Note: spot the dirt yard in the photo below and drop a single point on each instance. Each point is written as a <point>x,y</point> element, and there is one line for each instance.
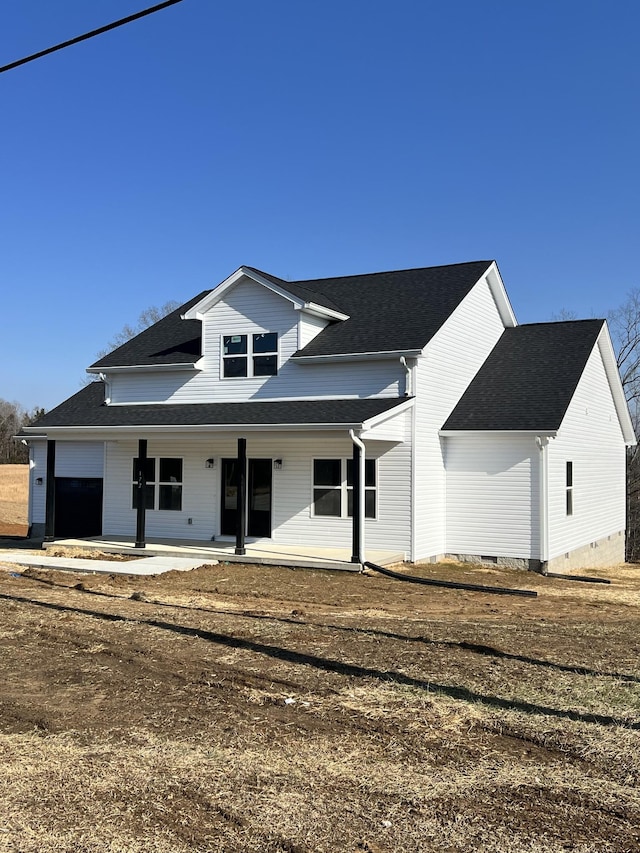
<point>236,708</point>
<point>14,490</point>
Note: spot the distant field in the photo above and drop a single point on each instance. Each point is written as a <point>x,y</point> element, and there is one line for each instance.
<point>14,493</point>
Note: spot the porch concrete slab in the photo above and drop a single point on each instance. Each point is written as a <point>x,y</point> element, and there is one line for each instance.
<point>141,566</point>
<point>264,552</point>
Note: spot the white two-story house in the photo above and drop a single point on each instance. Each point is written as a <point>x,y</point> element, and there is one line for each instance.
<point>404,410</point>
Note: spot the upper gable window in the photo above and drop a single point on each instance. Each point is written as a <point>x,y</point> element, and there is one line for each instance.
<point>249,355</point>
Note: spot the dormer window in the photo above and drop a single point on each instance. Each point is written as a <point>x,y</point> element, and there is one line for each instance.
<point>249,355</point>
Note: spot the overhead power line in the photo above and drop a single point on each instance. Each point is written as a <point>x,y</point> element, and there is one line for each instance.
<point>86,36</point>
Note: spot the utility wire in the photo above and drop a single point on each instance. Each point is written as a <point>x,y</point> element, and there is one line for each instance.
<point>86,36</point>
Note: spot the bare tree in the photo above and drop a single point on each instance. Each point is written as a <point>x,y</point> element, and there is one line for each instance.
<point>624,323</point>
<point>146,318</point>
<point>12,418</point>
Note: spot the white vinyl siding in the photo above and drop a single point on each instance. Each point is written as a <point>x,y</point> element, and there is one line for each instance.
<point>79,458</point>
<point>590,437</point>
<point>310,327</point>
<point>492,496</point>
<point>451,360</point>
<point>292,518</point>
<point>249,308</point>
<point>73,459</point>
<point>37,491</point>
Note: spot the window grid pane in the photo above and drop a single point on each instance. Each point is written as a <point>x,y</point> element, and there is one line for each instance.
<point>149,469</point>
<point>149,497</point>
<point>235,367</point>
<point>265,342</point>
<point>327,472</point>
<point>171,470</point>
<point>234,344</point>
<point>170,498</point>
<point>265,365</point>
<point>327,502</point>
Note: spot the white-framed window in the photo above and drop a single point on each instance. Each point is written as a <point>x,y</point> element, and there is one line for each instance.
<point>569,487</point>
<point>333,488</point>
<point>246,356</point>
<point>165,492</point>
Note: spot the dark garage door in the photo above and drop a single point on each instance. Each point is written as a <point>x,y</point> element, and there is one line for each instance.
<point>78,506</point>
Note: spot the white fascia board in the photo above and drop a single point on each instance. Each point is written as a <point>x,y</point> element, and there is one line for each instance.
<point>499,293</point>
<point>609,360</point>
<point>197,311</point>
<point>321,311</point>
<point>389,414</point>
<point>136,368</point>
<point>458,433</point>
<point>357,356</point>
<point>145,429</point>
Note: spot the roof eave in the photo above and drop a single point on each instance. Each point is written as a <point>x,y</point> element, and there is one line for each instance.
<point>232,427</point>
<point>135,368</point>
<point>357,356</point>
<point>451,433</point>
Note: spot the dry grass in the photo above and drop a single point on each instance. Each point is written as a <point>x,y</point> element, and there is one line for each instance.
<point>14,492</point>
<point>241,709</point>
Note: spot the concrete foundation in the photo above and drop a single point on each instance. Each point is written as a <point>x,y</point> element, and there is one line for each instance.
<point>608,551</point>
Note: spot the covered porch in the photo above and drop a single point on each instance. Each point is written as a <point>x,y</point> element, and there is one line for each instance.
<point>265,552</point>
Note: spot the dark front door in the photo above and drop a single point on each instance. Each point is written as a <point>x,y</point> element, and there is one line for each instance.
<point>258,497</point>
<point>78,506</point>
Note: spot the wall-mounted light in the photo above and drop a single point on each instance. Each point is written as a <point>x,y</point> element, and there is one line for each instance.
<point>210,463</point>
<point>277,464</point>
<point>39,481</point>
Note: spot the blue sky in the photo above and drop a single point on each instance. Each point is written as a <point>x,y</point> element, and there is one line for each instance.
<point>309,140</point>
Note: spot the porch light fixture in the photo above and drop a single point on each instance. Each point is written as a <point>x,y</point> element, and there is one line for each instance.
<point>210,463</point>
<point>277,464</point>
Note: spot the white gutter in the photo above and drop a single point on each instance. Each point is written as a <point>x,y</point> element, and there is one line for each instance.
<point>543,445</point>
<point>361,516</point>
<point>452,433</point>
<point>135,368</point>
<point>375,355</point>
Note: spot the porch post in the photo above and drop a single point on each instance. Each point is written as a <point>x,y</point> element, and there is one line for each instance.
<point>241,495</point>
<point>141,493</point>
<point>50,496</point>
<point>355,519</point>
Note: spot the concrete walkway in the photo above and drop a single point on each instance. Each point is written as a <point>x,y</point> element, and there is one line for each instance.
<point>142,566</point>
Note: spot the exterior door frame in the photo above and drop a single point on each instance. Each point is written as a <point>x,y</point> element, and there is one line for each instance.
<point>258,519</point>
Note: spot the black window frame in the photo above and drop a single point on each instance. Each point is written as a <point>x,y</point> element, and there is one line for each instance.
<point>163,490</point>
<point>254,355</point>
<point>342,485</point>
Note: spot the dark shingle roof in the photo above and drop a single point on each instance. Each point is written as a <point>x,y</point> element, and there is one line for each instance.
<point>529,378</point>
<point>388,311</point>
<point>86,409</point>
<point>391,311</point>
<point>169,341</point>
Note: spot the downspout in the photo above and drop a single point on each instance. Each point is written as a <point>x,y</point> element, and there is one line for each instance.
<point>408,383</point>
<point>543,445</point>
<point>359,443</point>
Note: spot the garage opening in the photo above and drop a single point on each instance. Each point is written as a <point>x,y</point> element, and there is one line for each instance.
<point>78,507</point>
